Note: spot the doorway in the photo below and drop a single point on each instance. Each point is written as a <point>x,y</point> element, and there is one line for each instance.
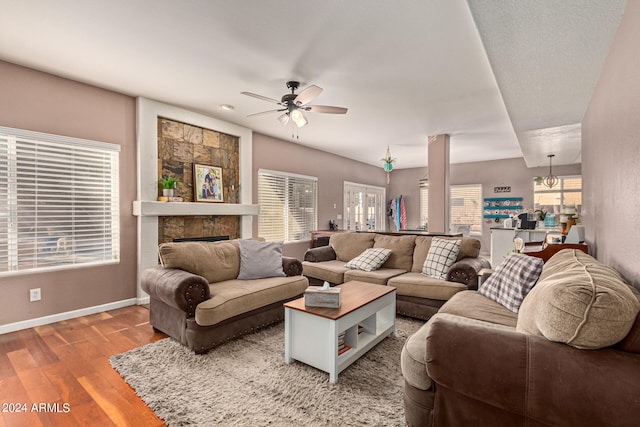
<point>364,207</point>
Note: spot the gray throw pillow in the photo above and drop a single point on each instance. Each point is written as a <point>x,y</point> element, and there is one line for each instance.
<point>512,280</point>
<point>441,256</point>
<point>260,259</point>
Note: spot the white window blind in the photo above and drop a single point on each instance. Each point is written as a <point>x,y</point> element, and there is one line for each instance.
<point>288,210</point>
<point>424,203</point>
<point>59,202</point>
<point>465,206</point>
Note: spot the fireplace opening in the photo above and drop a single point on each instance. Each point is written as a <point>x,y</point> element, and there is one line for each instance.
<point>202,239</point>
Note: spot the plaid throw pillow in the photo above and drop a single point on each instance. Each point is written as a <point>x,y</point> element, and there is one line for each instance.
<point>441,256</point>
<point>369,260</point>
<point>512,280</point>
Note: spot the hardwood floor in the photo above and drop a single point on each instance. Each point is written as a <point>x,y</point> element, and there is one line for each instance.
<point>59,374</point>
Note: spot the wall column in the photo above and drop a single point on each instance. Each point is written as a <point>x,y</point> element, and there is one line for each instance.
<point>438,161</point>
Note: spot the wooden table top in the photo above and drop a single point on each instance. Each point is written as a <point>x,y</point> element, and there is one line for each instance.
<point>355,294</point>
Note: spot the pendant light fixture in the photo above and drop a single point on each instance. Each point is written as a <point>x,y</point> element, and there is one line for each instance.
<point>550,180</point>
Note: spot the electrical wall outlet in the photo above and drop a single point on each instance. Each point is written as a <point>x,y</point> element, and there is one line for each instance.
<point>34,295</point>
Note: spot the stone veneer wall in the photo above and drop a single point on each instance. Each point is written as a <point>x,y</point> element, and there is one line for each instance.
<point>180,145</point>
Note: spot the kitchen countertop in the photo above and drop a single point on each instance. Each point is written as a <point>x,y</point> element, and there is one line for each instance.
<point>538,230</point>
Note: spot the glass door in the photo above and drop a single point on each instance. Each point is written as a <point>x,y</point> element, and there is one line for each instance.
<point>364,207</point>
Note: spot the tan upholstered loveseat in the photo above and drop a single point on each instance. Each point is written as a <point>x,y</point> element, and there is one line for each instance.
<point>417,295</point>
<point>476,363</point>
<point>197,298</point>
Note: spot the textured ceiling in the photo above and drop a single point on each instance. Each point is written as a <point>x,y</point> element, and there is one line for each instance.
<point>486,72</point>
<point>546,56</point>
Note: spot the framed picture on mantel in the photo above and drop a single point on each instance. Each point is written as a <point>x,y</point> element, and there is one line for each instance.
<point>207,183</point>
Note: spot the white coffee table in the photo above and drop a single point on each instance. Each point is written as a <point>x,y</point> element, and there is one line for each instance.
<point>311,333</point>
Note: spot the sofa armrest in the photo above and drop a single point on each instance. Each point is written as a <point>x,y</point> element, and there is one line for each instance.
<point>291,266</point>
<point>527,375</point>
<point>466,271</point>
<point>323,253</point>
<point>484,274</point>
<point>177,288</point>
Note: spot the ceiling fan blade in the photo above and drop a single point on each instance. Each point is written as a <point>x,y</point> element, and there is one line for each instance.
<point>264,98</point>
<point>266,112</point>
<point>307,95</point>
<point>325,109</point>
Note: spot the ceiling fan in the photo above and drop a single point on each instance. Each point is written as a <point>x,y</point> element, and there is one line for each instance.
<point>293,105</point>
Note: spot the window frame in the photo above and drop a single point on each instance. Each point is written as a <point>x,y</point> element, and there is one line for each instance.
<point>74,212</point>
<point>558,188</point>
<point>368,194</point>
<point>286,213</point>
<point>424,203</point>
<point>477,221</point>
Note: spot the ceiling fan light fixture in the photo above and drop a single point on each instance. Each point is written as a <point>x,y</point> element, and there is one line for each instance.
<point>298,118</point>
<point>284,118</point>
<point>294,105</point>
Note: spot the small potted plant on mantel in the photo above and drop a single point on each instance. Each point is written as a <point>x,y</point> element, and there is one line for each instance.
<point>168,187</point>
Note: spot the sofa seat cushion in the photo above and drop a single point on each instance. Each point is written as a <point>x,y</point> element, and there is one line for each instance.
<point>331,271</point>
<point>377,277</point>
<point>421,286</point>
<point>580,302</point>
<point>233,297</point>
<point>472,305</point>
<point>413,359</point>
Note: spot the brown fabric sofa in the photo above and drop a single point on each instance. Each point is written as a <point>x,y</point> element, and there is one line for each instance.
<point>474,364</point>
<point>196,298</point>
<point>417,295</point>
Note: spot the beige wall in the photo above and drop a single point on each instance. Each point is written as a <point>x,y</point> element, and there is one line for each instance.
<point>331,171</point>
<point>611,154</point>
<point>41,102</point>
<point>509,172</point>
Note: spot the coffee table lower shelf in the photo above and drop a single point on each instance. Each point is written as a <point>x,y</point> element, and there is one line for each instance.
<point>313,339</point>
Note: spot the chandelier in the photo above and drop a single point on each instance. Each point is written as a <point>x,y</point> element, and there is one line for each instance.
<point>550,180</point>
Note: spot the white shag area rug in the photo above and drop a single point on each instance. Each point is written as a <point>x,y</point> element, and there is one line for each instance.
<point>246,383</point>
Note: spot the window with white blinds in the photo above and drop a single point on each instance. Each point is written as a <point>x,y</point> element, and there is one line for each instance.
<point>424,203</point>
<point>465,209</point>
<point>288,206</point>
<point>59,202</point>
<point>568,189</point>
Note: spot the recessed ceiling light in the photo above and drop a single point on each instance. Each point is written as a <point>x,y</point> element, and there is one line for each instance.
<point>227,107</point>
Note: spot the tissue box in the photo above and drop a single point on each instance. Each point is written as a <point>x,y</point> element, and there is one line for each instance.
<point>315,296</point>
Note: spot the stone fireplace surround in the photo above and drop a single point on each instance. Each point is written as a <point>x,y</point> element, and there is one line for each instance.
<point>147,209</point>
<point>180,147</point>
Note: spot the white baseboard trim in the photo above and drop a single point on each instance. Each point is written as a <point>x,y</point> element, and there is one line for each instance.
<point>32,323</point>
<point>143,300</point>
